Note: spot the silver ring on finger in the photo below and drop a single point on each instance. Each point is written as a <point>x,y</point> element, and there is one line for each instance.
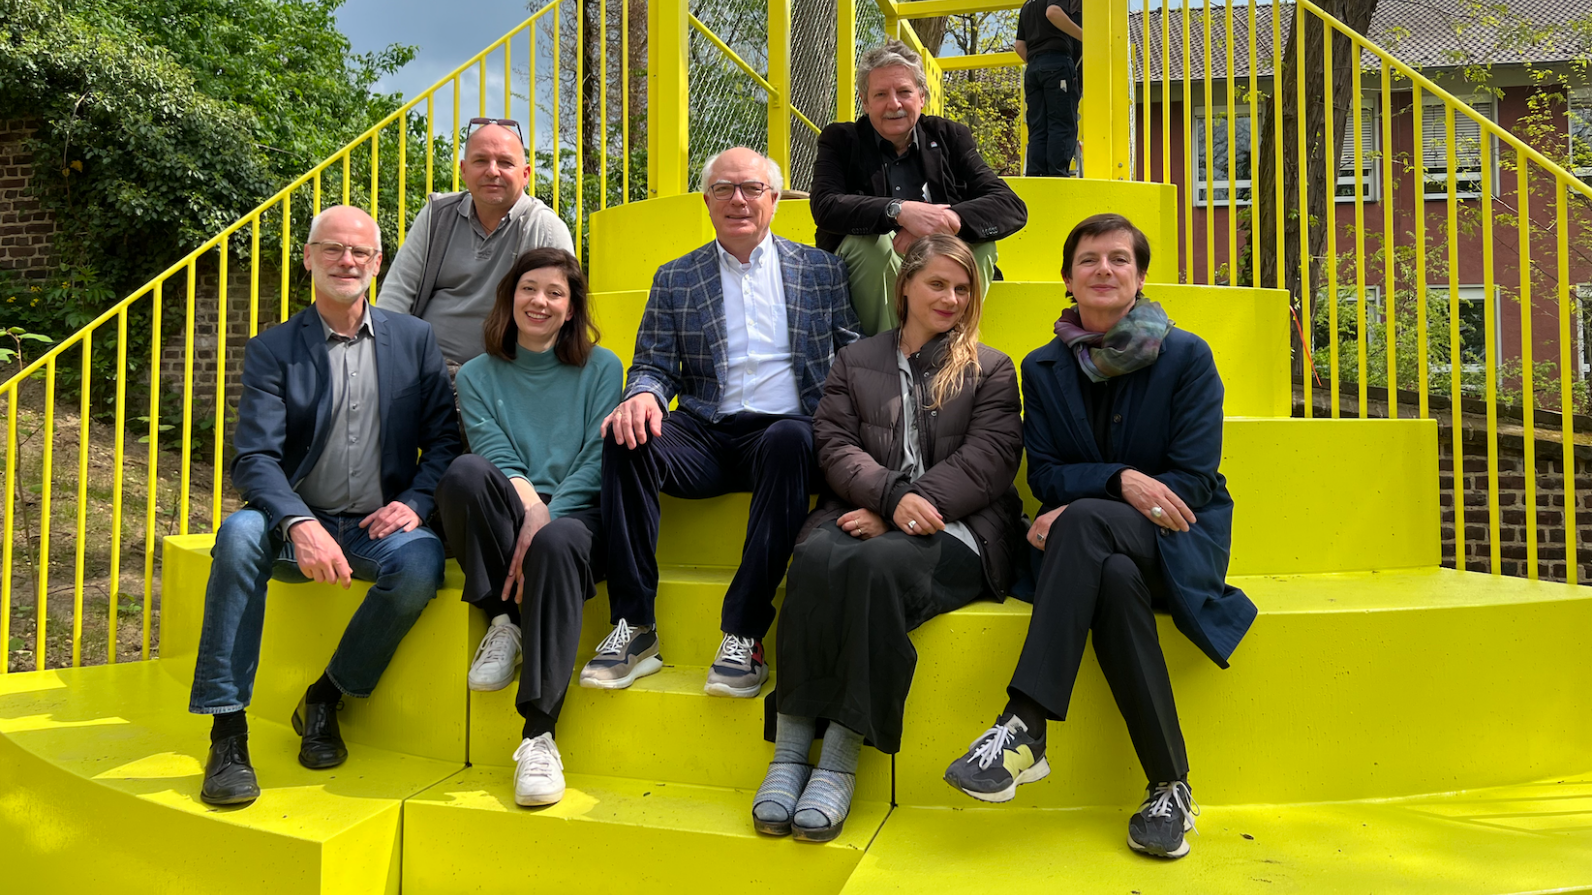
<point>1157,512</point>
<point>1041,539</point>
<point>912,524</point>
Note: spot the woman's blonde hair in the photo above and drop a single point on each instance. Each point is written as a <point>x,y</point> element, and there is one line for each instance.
<point>962,340</point>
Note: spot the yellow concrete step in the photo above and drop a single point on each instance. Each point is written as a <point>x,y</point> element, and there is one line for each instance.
<point>677,224</point>
<point>1348,686</point>
<point>1247,330</point>
<point>1530,838</point>
<point>467,835</point>
<point>420,706</point>
<point>1375,510</point>
<point>664,727</point>
<point>100,771</point>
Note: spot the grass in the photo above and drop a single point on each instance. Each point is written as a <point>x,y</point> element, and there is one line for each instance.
<point>91,626</point>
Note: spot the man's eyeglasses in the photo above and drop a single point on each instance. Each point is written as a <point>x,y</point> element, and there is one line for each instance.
<point>333,251</point>
<point>476,123</point>
<point>723,190</point>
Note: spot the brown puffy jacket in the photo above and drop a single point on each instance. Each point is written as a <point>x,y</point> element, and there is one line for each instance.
<point>972,446</point>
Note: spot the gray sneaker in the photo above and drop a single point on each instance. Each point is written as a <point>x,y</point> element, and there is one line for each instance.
<point>738,669</point>
<point>626,654</point>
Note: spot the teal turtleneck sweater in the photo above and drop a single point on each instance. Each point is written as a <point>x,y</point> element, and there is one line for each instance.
<point>538,419</point>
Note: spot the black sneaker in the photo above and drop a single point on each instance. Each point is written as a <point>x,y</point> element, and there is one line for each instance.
<point>1166,813</point>
<point>1001,759</point>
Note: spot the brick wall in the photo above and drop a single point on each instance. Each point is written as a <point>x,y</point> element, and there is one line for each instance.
<point>1511,452</point>
<point>26,230</point>
<point>1512,519</point>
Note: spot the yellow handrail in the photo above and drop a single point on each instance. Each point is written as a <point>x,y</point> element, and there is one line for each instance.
<point>740,63</point>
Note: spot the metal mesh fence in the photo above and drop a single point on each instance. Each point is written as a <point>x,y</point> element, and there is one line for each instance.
<point>728,108</point>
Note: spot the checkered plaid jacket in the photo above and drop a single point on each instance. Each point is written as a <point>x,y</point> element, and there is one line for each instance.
<point>680,348</point>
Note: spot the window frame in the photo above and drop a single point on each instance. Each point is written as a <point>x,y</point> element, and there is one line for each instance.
<point>1436,189</point>
<point>1578,108</point>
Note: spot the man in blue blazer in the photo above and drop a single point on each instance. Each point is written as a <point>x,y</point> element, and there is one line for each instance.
<point>742,331</point>
<point>344,428</point>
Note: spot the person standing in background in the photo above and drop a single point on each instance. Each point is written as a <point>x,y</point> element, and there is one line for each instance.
<point>1050,42</point>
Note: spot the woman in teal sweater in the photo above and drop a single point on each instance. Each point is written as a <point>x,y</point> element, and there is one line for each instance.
<point>521,512</point>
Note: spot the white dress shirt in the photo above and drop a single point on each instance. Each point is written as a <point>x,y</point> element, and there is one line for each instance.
<point>759,377</point>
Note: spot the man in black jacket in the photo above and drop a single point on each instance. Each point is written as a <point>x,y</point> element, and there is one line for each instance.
<point>895,175</point>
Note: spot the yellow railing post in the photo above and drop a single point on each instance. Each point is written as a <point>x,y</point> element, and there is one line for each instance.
<point>845,60</point>
<point>779,77</point>
<point>1107,105</point>
<point>668,96</point>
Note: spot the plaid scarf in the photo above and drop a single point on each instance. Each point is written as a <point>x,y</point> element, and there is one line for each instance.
<point>1132,343</point>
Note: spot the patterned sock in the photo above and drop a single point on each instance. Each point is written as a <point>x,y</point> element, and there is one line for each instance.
<point>787,773</point>
<point>826,801</point>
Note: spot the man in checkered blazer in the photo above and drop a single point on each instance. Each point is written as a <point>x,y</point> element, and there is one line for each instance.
<point>742,331</point>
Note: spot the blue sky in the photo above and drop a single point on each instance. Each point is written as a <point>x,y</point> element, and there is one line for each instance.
<point>445,34</point>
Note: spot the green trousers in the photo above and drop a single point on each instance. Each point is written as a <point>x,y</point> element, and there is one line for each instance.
<point>873,264</point>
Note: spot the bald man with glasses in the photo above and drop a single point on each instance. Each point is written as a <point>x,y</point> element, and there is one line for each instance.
<point>461,244</point>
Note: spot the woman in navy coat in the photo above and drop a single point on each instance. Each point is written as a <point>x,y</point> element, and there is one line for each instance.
<point>1123,427</point>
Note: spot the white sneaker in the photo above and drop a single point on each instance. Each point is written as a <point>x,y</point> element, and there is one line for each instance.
<point>496,657</point>
<point>539,774</point>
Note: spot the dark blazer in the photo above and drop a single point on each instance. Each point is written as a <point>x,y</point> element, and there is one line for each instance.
<point>1167,424</point>
<point>849,193</point>
<point>285,414</point>
<point>971,447</point>
<point>680,346</point>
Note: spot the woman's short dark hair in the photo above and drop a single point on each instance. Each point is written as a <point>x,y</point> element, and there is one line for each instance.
<point>1100,225</point>
<point>578,334</point>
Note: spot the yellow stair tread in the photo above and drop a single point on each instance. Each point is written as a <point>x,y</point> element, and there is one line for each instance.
<point>1393,589</point>
<point>127,727</point>
<point>641,803</point>
<point>1510,839</point>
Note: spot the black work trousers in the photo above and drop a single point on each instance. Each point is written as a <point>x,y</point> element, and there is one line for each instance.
<point>1102,573</point>
<point>481,518</point>
<point>768,455</point>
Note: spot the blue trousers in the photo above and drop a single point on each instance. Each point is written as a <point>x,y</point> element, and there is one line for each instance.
<point>405,566</point>
<point>1051,88</point>
<point>768,455</point>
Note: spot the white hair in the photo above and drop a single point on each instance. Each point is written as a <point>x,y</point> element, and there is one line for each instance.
<point>315,222</point>
<point>889,54</point>
<point>776,179</point>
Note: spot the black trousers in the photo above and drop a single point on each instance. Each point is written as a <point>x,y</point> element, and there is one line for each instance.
<point>844,653</point>
<point>768,455</point>
<point>1102,573</point>
<point>1052,88</point>
<point>481,517</point>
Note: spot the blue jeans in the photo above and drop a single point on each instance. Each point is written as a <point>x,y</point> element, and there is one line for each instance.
<point>1051,88</point>
<point>405,566</point>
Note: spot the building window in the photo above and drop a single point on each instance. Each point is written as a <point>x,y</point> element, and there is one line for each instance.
<point>1583,316</point>
<point>1472,324</point>
<point>1370,154</point>
<point>1220,189</point>
<point>1467,148</point>
<point>1216,120</point>
<point>1580,128</point>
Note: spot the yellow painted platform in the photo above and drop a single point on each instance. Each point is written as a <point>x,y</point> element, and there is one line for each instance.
<point>1348,686</point>
<point>676,732</point>
<point>467,835</point>
<point>677,224</point>
<point>1530,838</point>
<point>418,708</point>
<point>99,783</point>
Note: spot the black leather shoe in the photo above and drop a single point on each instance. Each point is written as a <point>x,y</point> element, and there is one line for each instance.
<point>323,744</point>
<point>229,778</point>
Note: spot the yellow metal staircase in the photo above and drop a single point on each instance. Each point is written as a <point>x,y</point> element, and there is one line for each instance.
<point>1388,725</point>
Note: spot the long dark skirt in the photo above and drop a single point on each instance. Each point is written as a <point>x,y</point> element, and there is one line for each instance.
<point>843,651</point>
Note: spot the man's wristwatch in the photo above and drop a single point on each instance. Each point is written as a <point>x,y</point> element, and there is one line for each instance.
<point>893,210</point>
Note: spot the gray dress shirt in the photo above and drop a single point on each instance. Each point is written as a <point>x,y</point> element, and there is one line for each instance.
<point>346,479</point>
